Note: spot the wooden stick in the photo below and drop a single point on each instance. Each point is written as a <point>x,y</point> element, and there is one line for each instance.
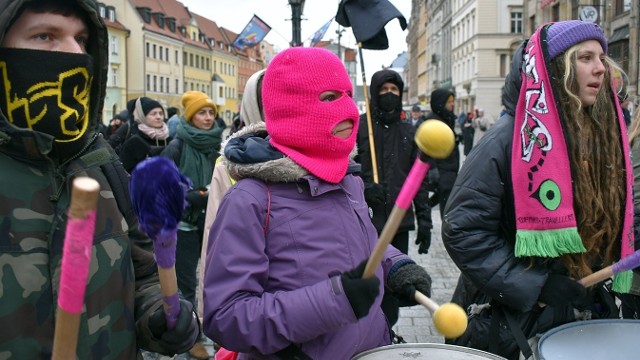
<point>423,300</point>
<point>405,197</point>
<point>372,145</point>
<point>628,263</point>
<point>75,266</point>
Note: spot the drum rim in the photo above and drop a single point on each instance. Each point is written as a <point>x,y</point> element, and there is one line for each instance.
<point>467,350</point>
<point>579,323</point>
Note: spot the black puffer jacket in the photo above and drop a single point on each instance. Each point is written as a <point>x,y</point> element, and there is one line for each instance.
<point>396,152</point>
<point>479,230</point>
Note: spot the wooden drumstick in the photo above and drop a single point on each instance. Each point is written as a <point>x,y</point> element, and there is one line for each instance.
<point>435,139</point>
<point>628,263</point>
<point>76,258</point>
<point>158,199</point>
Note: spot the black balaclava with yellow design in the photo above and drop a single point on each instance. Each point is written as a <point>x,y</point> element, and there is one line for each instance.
<point>55,97</point>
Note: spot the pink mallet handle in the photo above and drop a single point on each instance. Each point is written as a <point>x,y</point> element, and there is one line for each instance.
<point>76,258</point>
<point>407,193</point>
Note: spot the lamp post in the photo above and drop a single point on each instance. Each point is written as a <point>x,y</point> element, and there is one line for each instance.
<point>339,32</point>
<point>296,17</point>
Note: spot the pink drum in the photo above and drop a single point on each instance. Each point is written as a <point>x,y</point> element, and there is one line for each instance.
<point>425,351</point>
<point>592,339</point>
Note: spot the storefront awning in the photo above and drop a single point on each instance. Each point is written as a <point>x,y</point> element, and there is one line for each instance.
<point>620,34</point>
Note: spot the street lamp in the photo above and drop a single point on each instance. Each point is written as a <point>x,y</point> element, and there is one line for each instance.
<point>296,17</point>
<point>339,33</point>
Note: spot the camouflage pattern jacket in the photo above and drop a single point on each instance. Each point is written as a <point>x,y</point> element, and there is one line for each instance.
<point>122,290</point>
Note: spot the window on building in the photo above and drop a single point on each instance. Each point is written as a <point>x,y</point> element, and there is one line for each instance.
<point>114,76</point>
<point>177,57</point>
<point>155,83</point>
<point>555,12</point>
<point>622,6</point>
<point>114,45</point>
<point>148,82</point>
<point>111,13</point>
<point>197,61</point>
<point>516,22</point>
<point>184,58</point>
<point>167,82</point>
<point>161,48</point>
<point>155,56</point>
<point>177,86</point>
<point>208,64</point>
<point>161,83</point>
<point>220,92</point>
<point>191,60</point>
<point>166,54</point>
<point>148,52</point>
<point>103,11</point>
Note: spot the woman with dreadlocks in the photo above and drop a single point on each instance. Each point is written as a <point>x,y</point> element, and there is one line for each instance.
<point>546,198</point>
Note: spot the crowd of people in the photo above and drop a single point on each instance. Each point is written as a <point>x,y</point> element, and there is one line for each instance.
<point>283,215</point>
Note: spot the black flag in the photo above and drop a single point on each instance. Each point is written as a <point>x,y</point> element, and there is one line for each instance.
<point>368,18</point>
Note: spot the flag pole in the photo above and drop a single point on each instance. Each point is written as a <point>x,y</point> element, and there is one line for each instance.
<point>372,145</point>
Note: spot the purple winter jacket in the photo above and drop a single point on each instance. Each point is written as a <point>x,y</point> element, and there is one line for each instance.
<point>265,290</point>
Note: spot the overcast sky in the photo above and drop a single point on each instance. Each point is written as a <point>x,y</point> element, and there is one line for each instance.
<point>235,14</point>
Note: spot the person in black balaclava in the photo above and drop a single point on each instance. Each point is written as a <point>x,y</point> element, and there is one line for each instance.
<point>395,151</point>
<point>442,109</point>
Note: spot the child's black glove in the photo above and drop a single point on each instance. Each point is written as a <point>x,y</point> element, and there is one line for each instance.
<point>360,292</point>
<point>407,279</point>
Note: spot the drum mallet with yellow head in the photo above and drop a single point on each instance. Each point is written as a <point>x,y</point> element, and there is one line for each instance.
<point>436,140</point>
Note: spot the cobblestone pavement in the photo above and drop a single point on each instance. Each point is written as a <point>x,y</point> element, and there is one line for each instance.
<point>415,324</point>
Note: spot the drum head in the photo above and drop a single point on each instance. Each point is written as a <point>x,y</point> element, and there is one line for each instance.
<point>593,339</point>
<point>425,351</point>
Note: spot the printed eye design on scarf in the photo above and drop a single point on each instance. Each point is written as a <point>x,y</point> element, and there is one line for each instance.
<point>53,100</point>
<point>548,194</point>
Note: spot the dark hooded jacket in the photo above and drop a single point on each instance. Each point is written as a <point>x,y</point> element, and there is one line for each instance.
<point>439,99</point>
<point>479,232</point>
<point>122,289</point>
<point>395,151</point>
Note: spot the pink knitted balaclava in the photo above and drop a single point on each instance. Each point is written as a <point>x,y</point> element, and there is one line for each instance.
<point>298,122</point>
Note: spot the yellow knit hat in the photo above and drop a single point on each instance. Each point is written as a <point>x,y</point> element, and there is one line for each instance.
<point>193,101</point>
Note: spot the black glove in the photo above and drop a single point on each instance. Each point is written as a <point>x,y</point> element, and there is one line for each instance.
<point>374,194</point>
<point>560,290</point>
<point>407,279</point>
<point>423,239</point>
<point>197,198</point>
<point>183,336</point>
<point>360,292</point>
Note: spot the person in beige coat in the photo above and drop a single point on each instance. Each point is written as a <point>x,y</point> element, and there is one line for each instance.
<point>482,123</point>
<point>250,113</point>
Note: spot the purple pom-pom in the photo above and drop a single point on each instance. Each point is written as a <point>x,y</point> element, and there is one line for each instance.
<point>158,195</point>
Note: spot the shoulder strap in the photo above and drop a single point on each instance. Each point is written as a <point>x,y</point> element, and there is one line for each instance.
<point>266,220</point>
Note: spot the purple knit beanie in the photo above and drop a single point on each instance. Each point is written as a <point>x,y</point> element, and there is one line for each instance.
<point>564,34</point>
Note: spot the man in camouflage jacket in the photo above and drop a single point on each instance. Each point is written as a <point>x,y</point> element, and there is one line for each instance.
<point>50,103</point>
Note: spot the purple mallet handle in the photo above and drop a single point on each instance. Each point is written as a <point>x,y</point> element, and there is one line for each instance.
<point>630,262</point>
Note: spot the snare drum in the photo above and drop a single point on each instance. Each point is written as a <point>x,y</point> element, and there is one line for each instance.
<point>425,351</point>
<point>592,339</point>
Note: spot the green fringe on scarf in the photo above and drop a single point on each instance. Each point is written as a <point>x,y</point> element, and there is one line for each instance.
<point>548,243</point>
<point>622,282</point>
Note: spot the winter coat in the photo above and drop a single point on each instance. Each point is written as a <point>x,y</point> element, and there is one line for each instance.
<point>479,234</point>
<point>396,151</point>
<point>122,289</point>
<point>277,247</point>
<point>138,146</point>
<point>439,112</point>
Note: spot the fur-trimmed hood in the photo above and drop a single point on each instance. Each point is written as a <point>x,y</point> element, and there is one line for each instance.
<point>248,153</point>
